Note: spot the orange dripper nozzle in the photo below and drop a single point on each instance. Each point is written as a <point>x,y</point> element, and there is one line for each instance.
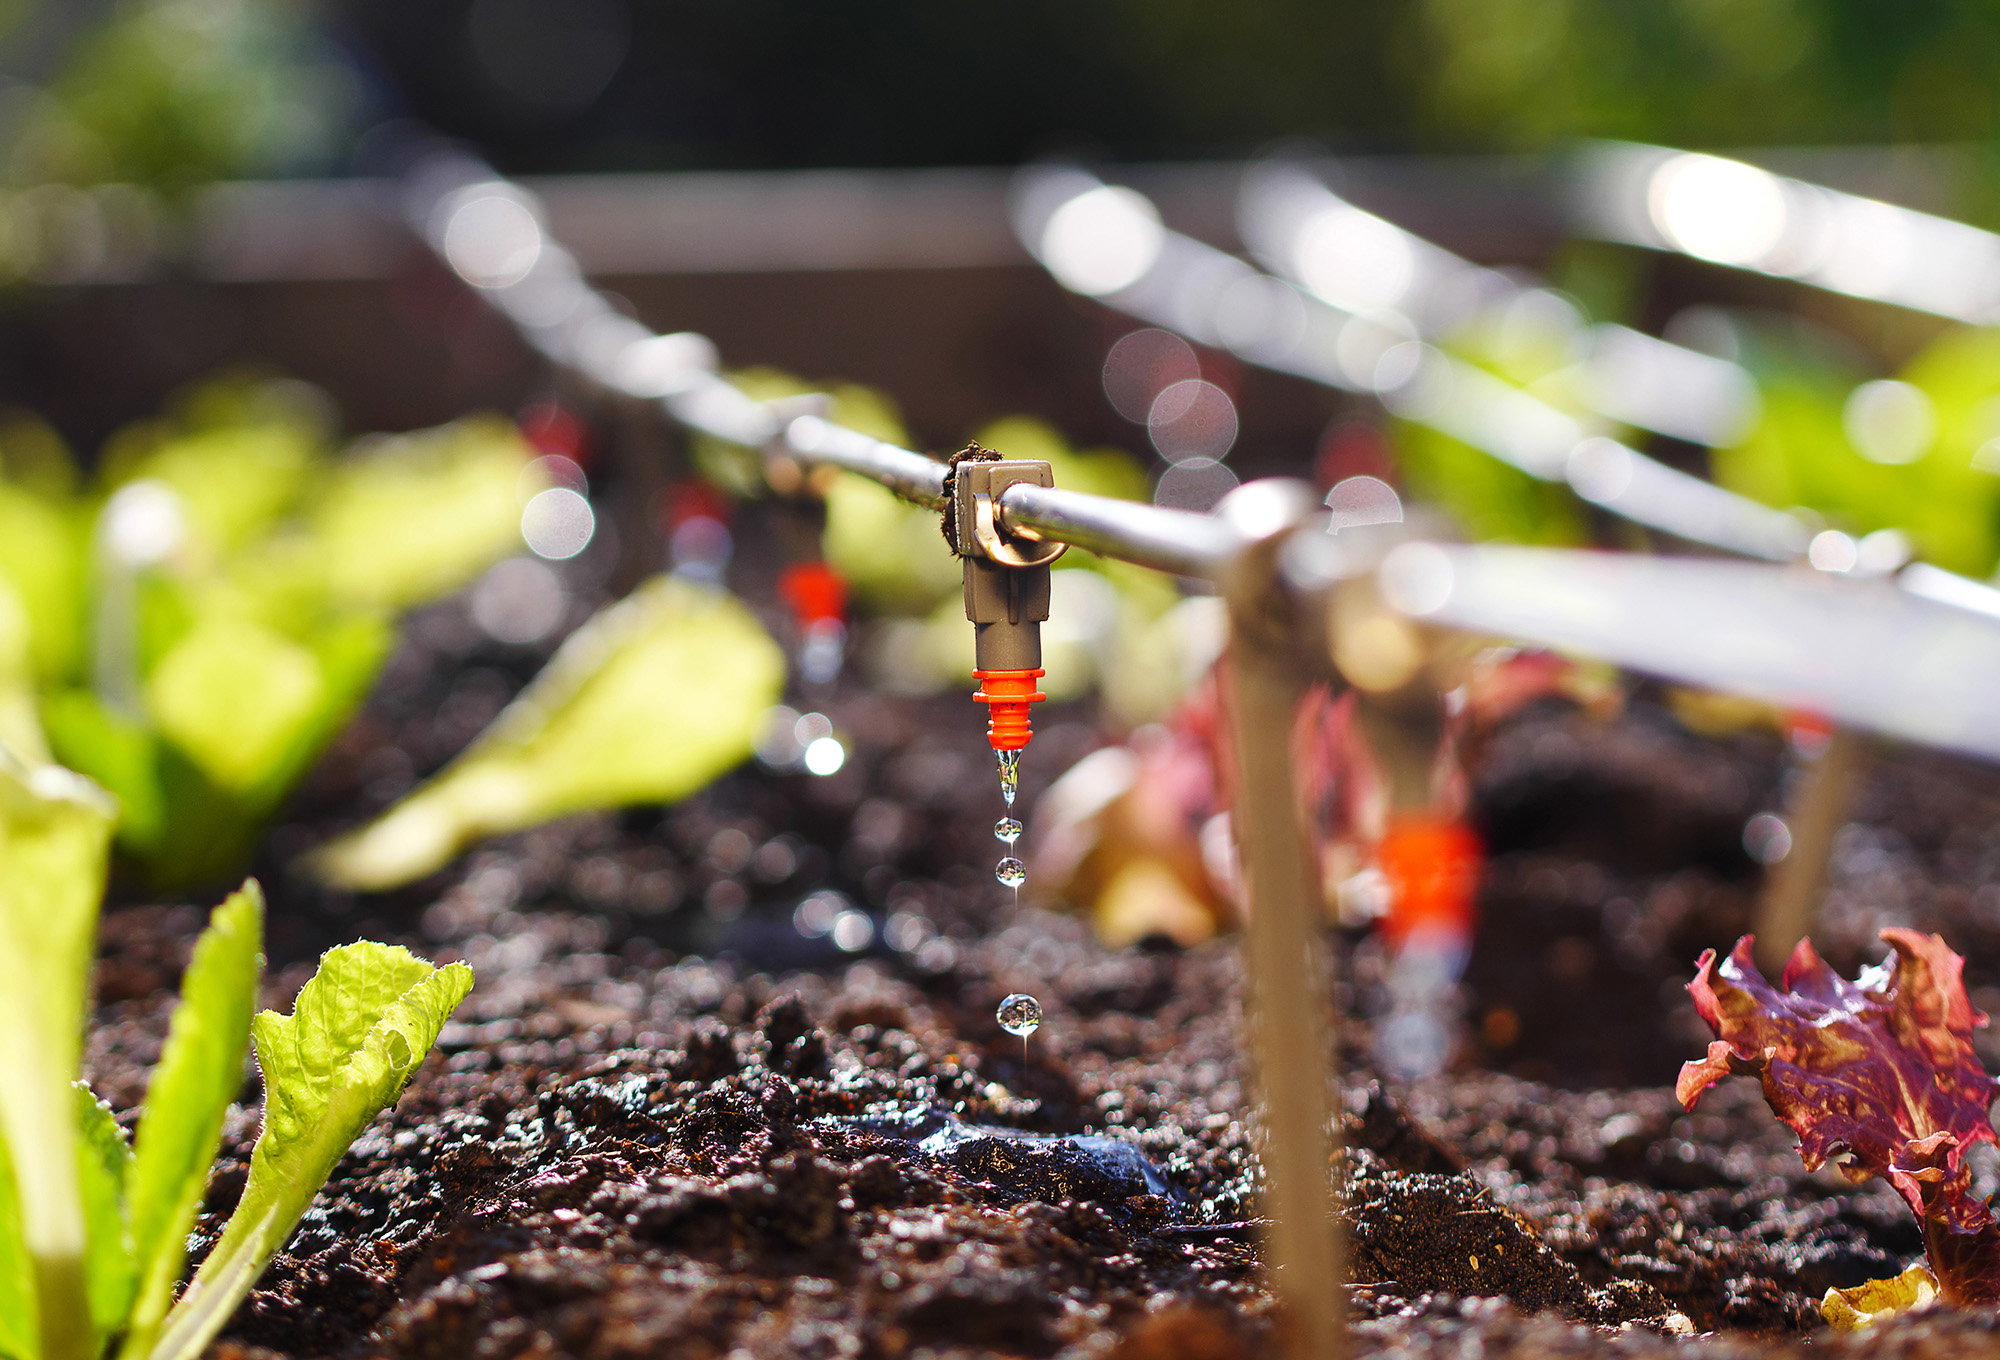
<point>1007,695</point>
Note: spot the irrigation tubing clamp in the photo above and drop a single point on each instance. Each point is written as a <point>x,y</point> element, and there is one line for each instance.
<point>1006,586</point>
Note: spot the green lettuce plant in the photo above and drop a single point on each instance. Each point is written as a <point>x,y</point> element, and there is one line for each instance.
<point>93,1227</point>
<point>198,672</point>
<point>1945,496</point>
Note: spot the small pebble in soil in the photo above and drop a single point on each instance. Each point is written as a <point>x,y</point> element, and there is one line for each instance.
<point>1020,1014</point>
<point>1011,872</point>
<point>1007,829</point>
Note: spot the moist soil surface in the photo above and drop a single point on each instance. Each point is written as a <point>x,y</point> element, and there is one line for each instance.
<point>670,1122</point>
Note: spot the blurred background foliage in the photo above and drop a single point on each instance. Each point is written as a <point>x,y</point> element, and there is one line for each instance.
<point>904,82</point>
<point>169,92</point>
<point>191,624</point>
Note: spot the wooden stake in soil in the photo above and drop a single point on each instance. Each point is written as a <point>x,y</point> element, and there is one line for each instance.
<point>1790,903</point>
<point>1302,1252</point>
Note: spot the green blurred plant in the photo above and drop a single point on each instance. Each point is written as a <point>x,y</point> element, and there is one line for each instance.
<point>201,620</point>
<point>1711,72</point>
<point>647,702</point>
<point>1918,453</point>
<point>1814,444</point>
<point>173,94</point>
<point>1494,501</point>
<point>1491,500</point>
<point>93,1227</point>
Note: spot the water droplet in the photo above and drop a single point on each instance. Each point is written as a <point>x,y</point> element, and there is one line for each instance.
<point>1020,1014</point>
<point>1010,775</point>
<point>1011,872</point>
<point>1007,829</point>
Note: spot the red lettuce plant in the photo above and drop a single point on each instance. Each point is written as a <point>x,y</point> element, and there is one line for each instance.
<point>1877,1073</point>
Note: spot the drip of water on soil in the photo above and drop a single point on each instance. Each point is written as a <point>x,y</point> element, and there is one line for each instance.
<point>1010,775</point>
<point>1011,872</point>
<point>1007,829</point>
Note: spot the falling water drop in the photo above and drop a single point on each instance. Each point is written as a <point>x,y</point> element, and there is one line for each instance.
<point>1011,872</point>
<point>1010,775</point>
<point>1020,1014</point>
<point>1007,829</point>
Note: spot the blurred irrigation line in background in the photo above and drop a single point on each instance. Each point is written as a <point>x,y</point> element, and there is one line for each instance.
<point>1363,305</point>
<point>1732,213</point>
<point>1856,650</point>
<point>1360,310</point>
<point>1106,241</point>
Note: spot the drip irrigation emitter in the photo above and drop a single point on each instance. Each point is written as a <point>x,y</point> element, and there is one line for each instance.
<point>1833,647</point>
<point>1397,670</point>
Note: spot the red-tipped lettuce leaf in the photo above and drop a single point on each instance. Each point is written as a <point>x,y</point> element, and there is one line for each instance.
<point>1877,1073</point>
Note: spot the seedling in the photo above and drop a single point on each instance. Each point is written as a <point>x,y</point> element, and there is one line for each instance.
<point>93,1230</point>
<point>1877,1075</point>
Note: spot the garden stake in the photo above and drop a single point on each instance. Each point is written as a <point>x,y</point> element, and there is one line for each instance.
<point>1302,1252</point>
<point>1790,901</point>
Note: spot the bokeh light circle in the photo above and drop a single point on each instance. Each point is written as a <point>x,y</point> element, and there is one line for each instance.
<point>557,523</point>
<point>1192,419</point>
<point>1102,241</point>
<point>491,239</point>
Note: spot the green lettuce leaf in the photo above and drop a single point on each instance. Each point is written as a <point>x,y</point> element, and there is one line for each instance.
<point>417,516</point>
<point>646,703</point>
<point>104,1161</point>
<point>19,729</point>
<point>55,828</point>
<point>234,696</point>
<point>200,1072</point>
<point>234,481</point>
<point>42,558</point>
<point>354,1038</point>
<point>242,712</point>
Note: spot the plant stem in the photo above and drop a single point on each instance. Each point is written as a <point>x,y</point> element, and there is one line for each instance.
<point>64,1302</point>
<point>224,1278</point>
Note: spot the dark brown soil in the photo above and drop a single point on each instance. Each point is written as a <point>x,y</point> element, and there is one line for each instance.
<point>668,1123</point>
